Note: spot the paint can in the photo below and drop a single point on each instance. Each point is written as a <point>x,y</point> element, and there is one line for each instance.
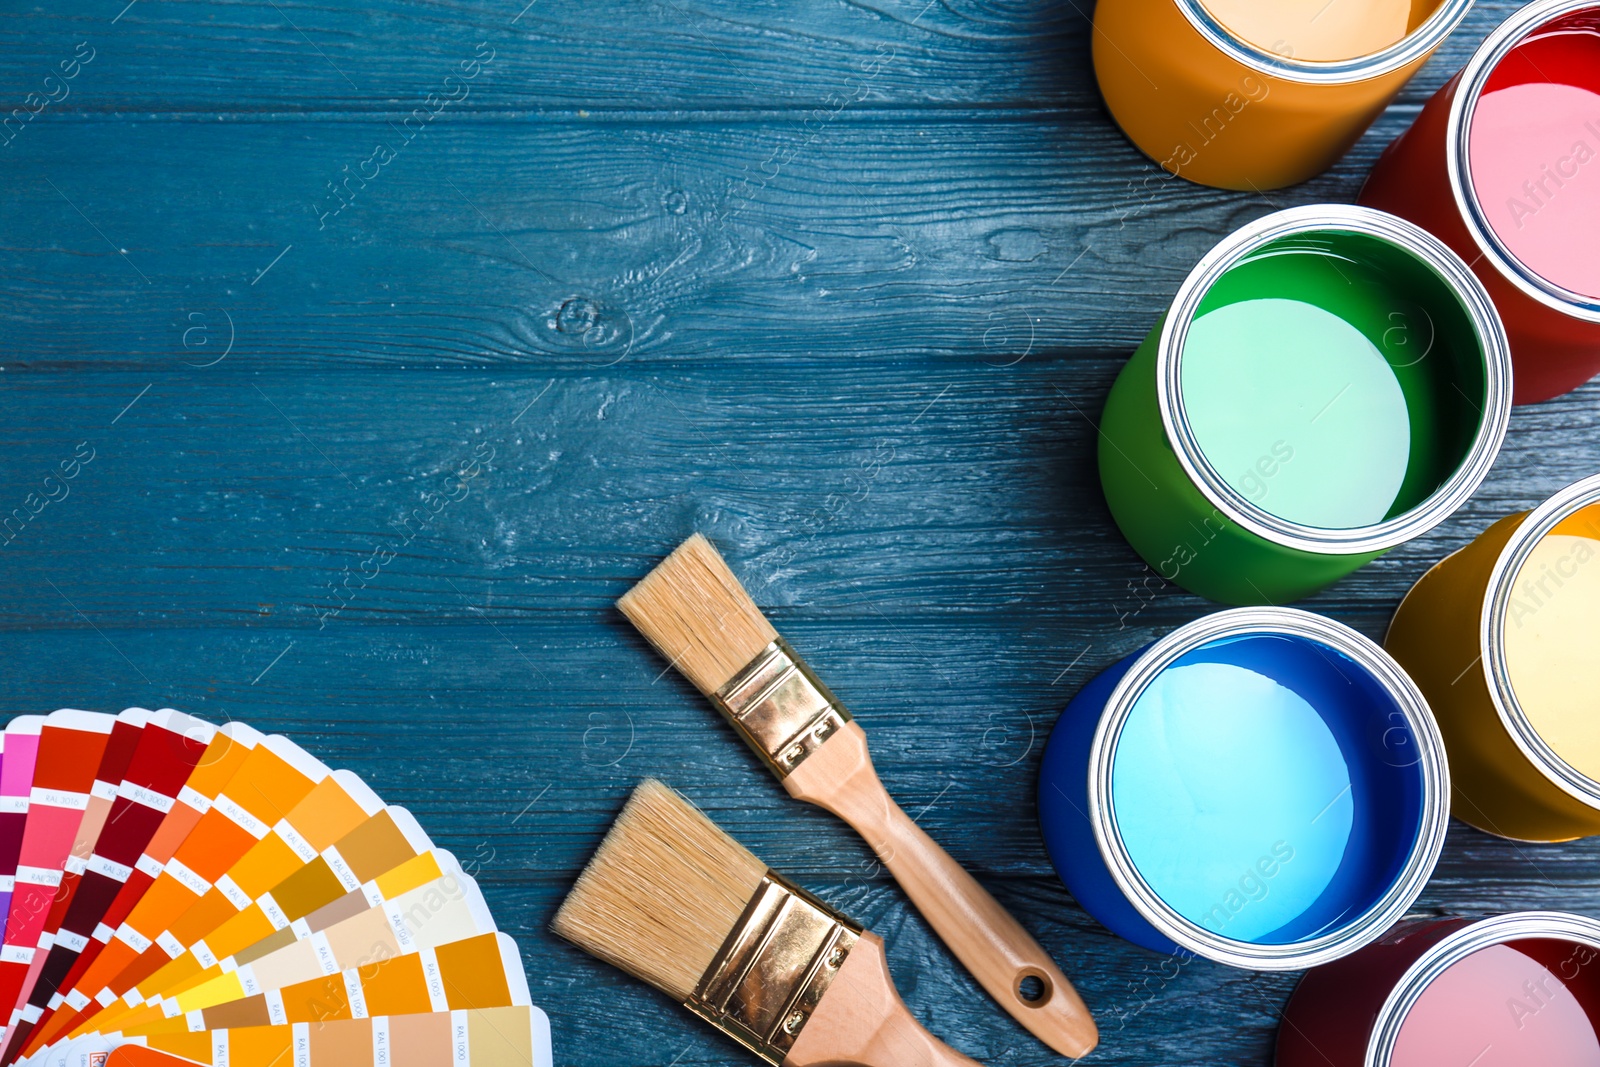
<point>1262,787</point>
<point>1330,382</point>
<point>1245,95</point>
<point>1503,164</point>
<point>1506,991</point>
<point>1502,637</point>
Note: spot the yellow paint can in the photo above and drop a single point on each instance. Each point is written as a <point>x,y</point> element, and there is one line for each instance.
<point>1503,637</point>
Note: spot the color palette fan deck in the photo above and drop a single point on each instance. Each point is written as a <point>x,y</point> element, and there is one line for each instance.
<point>187,893</point>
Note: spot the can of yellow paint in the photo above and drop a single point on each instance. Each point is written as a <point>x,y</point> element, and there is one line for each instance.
<point>1244,95</point>
<point>1502,638</point>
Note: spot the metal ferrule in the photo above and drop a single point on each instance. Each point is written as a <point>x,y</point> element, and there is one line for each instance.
<point>774,968</point>
<point>780,708</point>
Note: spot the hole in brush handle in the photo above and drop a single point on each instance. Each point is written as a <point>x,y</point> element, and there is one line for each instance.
<point>1034,988</point>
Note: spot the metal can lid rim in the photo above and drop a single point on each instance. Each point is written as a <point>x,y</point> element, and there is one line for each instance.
<point>1411,48</point>
<point>1483,63</point>
<point>1431,253</point>
<point>1457,945</point>
<point>1433,817</point>
<point>1496,607</point>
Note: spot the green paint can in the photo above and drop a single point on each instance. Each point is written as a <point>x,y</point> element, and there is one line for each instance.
<point>1330,382</point>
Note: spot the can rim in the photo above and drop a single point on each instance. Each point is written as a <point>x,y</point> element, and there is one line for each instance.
<point>1455,946</point>
<point>1433,816</point>
<point>1485,60</point>
<point>1414,46</point>
<point>1491,638</point>
<point>1431,253</point>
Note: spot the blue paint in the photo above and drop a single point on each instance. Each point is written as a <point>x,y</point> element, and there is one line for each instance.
<point>1231,797</point>
<point>1264,786</point>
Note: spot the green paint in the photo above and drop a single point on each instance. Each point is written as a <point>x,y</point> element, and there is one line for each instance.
<point>1321,439</point>
<point>1180,534</point>
<point>1318,309</point>
<point>1311,377</point>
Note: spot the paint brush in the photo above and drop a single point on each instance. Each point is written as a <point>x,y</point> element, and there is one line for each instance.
<point>693,609</point>
<point>672,900</point>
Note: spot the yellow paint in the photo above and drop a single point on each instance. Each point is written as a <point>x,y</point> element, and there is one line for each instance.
<point>1551,638</point>
<point>1436,635</point>
<point>1319,30</point>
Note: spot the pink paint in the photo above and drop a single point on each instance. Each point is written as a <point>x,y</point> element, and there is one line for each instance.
<point>1534,153</point>
<point>1500,1007</point>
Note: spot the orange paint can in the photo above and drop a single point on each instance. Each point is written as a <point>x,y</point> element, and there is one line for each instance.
<point>1501,637</point>
<point>1240,94</point>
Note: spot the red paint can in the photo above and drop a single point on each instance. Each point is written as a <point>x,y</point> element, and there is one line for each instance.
<point>1508,991</point>
<point>1503,165</point>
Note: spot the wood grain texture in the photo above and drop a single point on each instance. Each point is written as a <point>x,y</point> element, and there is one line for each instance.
<point>563,56</point>
<point>864,354</point>
<point>658,245</point>
<point>896,491</point>
<point>663,227</point>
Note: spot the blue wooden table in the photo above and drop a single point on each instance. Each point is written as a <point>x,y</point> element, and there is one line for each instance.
<point>404,339</point>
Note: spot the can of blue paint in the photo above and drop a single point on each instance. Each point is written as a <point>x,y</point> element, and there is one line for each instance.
<point>1262,787</point>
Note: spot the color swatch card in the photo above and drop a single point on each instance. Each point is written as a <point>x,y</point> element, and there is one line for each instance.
<point>488,1037</point>
<point>165,754</point>
<point>175,892</point>
<point>20,753</point>
<point>216,766</point>
<point>413,912</point>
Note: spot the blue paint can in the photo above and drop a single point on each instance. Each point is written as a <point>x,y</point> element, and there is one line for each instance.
<point>1263,787</point>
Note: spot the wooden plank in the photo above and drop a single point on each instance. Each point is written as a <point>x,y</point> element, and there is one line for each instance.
<point>952,237</point>
<point>898,489</point>
<point>562,59</point>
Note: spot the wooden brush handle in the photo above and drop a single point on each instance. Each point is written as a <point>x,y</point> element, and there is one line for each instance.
<point>862,1020</point>
<point>840,777</point>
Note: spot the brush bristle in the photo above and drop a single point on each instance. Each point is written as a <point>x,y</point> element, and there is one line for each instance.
<point>696,613</point>
<point>662,892</point>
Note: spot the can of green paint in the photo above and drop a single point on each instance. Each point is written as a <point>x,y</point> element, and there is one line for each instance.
<point>1330,381</point>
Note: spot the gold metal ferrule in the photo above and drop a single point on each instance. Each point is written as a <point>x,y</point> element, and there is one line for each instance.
<point>780,708</point>
<point>772,971</point>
